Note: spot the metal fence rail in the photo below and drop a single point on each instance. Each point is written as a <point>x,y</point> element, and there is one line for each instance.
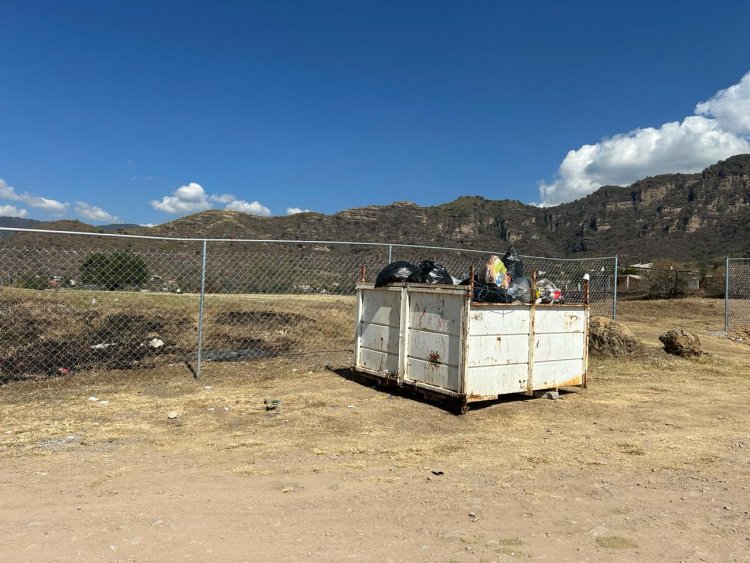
<point>92,301</point>
<point>737,294</point>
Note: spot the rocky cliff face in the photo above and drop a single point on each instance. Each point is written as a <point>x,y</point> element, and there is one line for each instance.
<point>680,216</point>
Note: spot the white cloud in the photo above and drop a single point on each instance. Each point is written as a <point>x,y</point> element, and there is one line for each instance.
<point>189,198</point>
<point>295,210</point>
<point>192,198</point>
<point>51,206</point>
<point>147,225</point>
<point>253,208</point>
<point>12,211</point>
<point>94,213</point>
<point>222,198</point>
<point>730,107</point>
<point>720,128</point>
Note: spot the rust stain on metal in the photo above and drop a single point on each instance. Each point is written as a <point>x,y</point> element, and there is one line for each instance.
<point>434,358</point>
<point>572,382</point>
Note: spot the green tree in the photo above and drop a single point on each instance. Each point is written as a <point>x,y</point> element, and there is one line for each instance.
<point>114,271</point>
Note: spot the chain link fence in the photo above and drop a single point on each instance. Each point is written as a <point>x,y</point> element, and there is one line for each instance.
<point>136,305</point>
<point>737,296</point>
<point>657,283</point>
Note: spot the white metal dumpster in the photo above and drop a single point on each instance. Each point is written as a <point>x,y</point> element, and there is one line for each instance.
<point>435,339</point>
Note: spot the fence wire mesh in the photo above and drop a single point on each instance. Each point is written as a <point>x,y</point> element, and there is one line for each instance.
<point>657,283</point>
<point>140,306</point>
<point>71,310</point>
<point>737,296</point>
<point>269,300</point>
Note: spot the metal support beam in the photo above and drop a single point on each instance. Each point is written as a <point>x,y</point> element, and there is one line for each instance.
<point>200,311</point>
<point>614,294</point>
<point>726,295</point>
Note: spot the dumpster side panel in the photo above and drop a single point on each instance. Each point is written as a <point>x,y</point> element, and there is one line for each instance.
<point>490,381</point>
<point>559,346</point>
<point>434,339</point>
<point>378,331</point>
<point>559,318</point>
<point>498,320</point>
<point>498,351</point>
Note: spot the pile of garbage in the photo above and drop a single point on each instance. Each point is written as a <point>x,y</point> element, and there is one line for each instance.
<point>499,280</point>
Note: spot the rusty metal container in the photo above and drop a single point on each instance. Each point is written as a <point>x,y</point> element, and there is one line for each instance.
<point>435,339</point>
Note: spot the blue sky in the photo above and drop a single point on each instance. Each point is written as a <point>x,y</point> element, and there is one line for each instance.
<point>150,110</point>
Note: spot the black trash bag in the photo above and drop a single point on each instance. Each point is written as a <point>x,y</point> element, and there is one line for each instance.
<point>520,289</point>
<point>490,293</point>
<point>513,263</point>
<point>398,272</point>
<point>432,272</point>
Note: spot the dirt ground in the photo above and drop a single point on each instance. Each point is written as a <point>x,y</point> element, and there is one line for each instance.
<point>650,463</point>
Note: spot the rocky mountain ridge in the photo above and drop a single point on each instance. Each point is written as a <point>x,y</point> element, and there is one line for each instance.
<point>685,217</point>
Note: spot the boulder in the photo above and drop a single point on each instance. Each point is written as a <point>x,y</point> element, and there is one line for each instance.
<point>681,343</point>
<point>608,338</point>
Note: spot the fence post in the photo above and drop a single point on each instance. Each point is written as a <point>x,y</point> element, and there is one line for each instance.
<point>390,253</point>
<point>726,294</point>
<point>200,311</point>
<point>614,294</point>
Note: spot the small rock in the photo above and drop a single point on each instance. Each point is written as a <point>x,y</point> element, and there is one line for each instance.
<point>171,415</point>
<point>681,343</point>
<point>156,343</point>
<point>552,395</point>
<point>92,398</point>
<point>472,515</point>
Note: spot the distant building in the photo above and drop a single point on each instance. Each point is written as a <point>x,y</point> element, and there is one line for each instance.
<point>629,282</point>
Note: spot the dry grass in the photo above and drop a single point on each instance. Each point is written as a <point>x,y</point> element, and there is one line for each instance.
<point>42,331</point>
<point>659,412</point>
